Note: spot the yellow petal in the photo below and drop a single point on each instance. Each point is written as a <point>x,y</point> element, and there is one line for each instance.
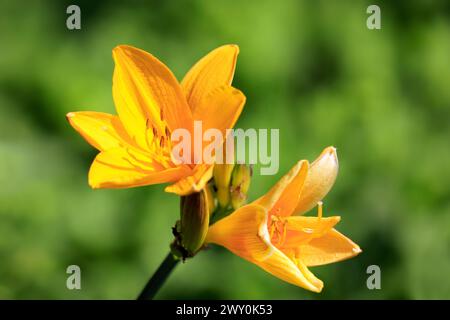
<point>147,94</point>
<point>212,71</point>
<point>118,168</point>
<point>220,109</point>
<point>290,196</point>
<point>294,179</point>
<point>241,231</point>
<point>103,131</point>
<point>296,273</point>
<point>193,182</point>
<point>321,176</point>
<point>245,233</point>
<point>331,247</point>
<point>301,230</point>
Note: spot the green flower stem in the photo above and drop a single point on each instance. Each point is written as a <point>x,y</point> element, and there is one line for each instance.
<point>159,277</point>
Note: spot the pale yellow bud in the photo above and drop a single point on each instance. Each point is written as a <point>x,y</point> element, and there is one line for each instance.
<point>240,183</point>
<point>222,177</point>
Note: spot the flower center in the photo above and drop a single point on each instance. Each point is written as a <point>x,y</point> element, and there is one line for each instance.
<point>278,226</point>
<point>158,141</point>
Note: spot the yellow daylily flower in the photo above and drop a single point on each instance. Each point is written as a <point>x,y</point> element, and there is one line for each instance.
<point>135,145</point>
<point>269,234</point>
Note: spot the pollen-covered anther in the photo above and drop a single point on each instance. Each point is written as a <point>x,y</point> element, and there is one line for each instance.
<point>167,132</point>
<point>278,228</point>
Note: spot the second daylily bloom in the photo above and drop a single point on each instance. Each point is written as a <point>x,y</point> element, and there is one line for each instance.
<point>135,146</point>
<point>271,233</point>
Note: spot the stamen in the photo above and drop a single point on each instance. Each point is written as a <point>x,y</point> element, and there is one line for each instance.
<point>272,229</point>
<point>273,226</point>
<point>283,238</point>
<point>167,132</point>
<point>280,232</point>
<point>147,141</point>
<point>319,209</point>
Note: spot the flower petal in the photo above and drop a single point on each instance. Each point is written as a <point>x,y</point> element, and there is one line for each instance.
<point>220,109</point>
<point>292,180</point>
<point>118,168</point>
<point>290,196</point>
<point>212,71</point>
<point>245,233</point>
<point>102,130</point>
<point>193,182</point>
<point>300,230</point>
<point>321,176</point>
<point>146,93</point>
<point>294,272</point>
<point>331,247</point>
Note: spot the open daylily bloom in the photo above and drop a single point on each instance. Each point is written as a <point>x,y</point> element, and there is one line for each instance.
<point>271,233</point>
<point>135,146</point>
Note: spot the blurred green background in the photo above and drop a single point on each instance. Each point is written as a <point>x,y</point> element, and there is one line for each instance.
<point>310,68</point>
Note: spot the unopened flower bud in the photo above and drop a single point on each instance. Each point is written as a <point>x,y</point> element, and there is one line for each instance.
<point>222,177</point>
<point>194,221</point>
<point>240,183</point>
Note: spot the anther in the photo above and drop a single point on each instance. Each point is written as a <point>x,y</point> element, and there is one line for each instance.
<point>167,132</point>
<point>275,228</point>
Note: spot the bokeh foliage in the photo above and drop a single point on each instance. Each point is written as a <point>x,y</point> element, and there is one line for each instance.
<point>310,68</point>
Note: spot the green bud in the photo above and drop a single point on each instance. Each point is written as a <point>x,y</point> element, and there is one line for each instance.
<point>222,177</point>
<point>194,221</point>
<point>240,183</point>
